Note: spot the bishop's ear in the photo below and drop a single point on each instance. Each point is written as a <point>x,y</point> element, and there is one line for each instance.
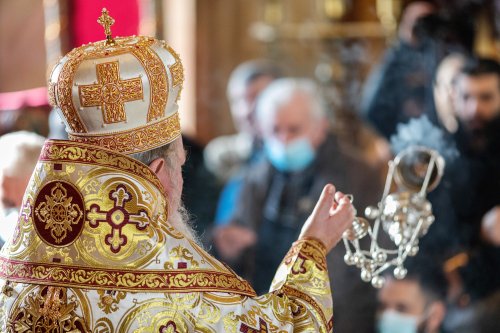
<point>158,166</point>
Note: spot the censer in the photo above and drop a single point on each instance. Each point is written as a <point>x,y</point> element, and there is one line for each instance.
<point>404,215</point>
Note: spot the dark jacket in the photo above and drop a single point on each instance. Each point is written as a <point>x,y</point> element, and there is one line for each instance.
<point>276,205</point>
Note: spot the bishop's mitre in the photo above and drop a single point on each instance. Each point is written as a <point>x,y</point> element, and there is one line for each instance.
<point>120,93</point>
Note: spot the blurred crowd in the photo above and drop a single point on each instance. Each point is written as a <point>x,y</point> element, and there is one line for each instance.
<point>250,193</point>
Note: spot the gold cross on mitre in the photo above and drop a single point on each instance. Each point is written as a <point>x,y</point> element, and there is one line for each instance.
<point>106,21</point>
<point>110,93</point>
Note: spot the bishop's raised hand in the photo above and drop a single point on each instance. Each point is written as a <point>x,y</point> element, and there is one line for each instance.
<point>331,216</point>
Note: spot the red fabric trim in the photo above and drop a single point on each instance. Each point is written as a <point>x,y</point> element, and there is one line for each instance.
<point>24,98</point>
<point>126,280</point>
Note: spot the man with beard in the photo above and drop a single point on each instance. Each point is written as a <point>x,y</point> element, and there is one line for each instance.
<point>476,173</point>
<point>101,244</point>
<point>477,108</point>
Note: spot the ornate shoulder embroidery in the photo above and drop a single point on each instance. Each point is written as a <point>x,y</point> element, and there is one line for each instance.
<point>47,310</point>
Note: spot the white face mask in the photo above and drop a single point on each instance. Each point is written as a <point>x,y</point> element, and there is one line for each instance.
<point>395,322</point>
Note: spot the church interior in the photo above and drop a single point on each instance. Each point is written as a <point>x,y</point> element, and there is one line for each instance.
<point>389,75</point>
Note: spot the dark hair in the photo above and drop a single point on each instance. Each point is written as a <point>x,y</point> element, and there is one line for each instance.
<point>481,66</point>
<point>441,33</point>
<point>430,26</point>
<point>429,275</point>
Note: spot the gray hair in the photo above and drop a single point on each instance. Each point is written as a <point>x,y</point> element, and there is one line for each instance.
<point>281,91</point>
<point>20,152</point>
<point>147,157</point>
<point>247,72</point>
<point>180,218</point>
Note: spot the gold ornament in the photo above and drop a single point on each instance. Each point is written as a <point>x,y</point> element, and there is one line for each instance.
<point>106,21</point>
<point>47,310</point>
<point>109,300</point>
<point>60,213</point>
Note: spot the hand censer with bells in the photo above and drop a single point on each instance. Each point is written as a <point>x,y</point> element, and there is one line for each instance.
<point>404,215</point>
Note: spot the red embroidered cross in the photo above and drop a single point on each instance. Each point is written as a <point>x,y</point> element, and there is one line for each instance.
<point>117,217</point>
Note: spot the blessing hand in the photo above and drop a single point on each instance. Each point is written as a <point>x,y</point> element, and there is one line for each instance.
<point>332,215</point>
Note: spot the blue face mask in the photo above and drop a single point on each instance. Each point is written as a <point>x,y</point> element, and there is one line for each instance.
<point>394,322</point>
<point>295,156</point>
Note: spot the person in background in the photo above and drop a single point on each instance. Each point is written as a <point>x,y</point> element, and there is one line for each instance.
<point>226,155</point>
<point>443,89</point>
<point>413,11</point>
<point>20,151</point>
<point>229,157</point>
<point>301,153</point>
<point>477,110</point>
<point>477,105</point>
<point>466,312</point>
<point>415,303</point>
<point>396,86</point>
<point>401,87</point>
<point>486,314</point>
<point>477,173</point>
<point>490,226</point>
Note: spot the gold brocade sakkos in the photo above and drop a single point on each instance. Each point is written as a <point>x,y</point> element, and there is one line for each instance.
<point>93,251</point>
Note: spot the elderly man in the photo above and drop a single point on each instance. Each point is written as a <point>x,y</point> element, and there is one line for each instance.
<point>102,242</point>
<point>20,152</point>
<point>301,155</point>
<point>231,156</point>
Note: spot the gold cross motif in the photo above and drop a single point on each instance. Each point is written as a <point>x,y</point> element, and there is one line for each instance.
<point>106,21</point>
<point>111,93</point>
